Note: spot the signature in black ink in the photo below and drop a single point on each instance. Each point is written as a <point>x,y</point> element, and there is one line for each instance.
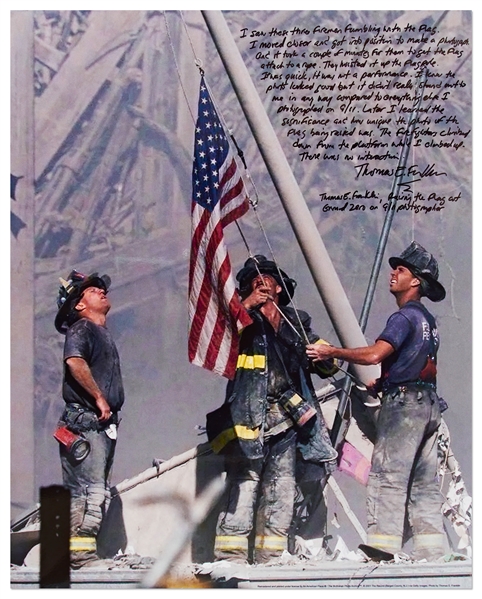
<point>414,171</point>
<point>367,194</point>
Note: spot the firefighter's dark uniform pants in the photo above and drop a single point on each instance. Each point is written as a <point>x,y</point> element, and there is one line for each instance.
<point>89,485</point>
<point>403,480</point>
<point>259,503</point>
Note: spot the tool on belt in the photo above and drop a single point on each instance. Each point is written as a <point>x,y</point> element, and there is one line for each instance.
<point>76,445</point>
<point>74,421</point>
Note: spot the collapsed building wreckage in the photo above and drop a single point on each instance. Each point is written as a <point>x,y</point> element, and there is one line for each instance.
<point>170,491</point>
<point>160,524</point>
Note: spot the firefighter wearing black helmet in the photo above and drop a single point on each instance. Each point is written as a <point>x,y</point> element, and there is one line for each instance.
<point>272,416</point>
<point>403,496</point>
<point>93,394</point>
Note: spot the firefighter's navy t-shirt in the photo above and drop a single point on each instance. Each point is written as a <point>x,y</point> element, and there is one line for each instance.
<point>94,343</point>
<point>413,334</point>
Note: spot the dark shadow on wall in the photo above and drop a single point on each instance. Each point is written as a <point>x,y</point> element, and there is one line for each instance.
<point>112,535</point>
<point>207,469</point>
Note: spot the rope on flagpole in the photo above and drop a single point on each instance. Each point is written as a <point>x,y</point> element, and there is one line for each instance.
<point>254,203</point>
<point>177,65</point>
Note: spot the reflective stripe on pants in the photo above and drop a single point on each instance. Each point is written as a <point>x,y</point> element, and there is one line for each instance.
<point>271,543</point>
<point>231,543</point>
<point>390,543</point>
<point>83,544</point>
<point>403,482</point>
<point>272,479</point>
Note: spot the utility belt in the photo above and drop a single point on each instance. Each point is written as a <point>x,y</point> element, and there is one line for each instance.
<point>418,385</point>
<point>79,419</point>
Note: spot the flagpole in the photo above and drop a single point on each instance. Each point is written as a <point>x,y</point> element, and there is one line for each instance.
<point>321,267</point>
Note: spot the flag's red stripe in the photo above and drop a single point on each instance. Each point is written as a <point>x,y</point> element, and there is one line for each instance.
<point>228,194</point>
<point>235,214</point>
<point>231,195</point>
<point>235,198</point>
<point>198,235</point>
<point>223,323</point>
<point>215,341</point>
<point>230,368</point>
<point>204,297</point>
<point>229,172</point>
<point>239,313</point>
<point>206,289</point>
<point>214,306</point>
<point>208,285</point>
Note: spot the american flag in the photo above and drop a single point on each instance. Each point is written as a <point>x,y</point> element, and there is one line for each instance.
<point>218,198</point>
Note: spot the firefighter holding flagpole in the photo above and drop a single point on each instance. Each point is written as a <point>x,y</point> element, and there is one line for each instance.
<point>403,483</point>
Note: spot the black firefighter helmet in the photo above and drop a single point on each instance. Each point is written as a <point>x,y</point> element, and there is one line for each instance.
<point>261,265</point>
<point>69,294</point>
<point>424,267</point>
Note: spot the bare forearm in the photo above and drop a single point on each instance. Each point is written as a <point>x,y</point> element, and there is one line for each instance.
<point>82,374</point>
<point>366,356</point>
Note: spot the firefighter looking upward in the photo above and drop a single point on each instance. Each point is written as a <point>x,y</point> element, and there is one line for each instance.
<point>403,479</point>
<point>93,394</point>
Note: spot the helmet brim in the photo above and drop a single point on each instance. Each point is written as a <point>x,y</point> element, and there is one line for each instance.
<point>93,280</point>
<point>435,292</point>
<point>246,275</point>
